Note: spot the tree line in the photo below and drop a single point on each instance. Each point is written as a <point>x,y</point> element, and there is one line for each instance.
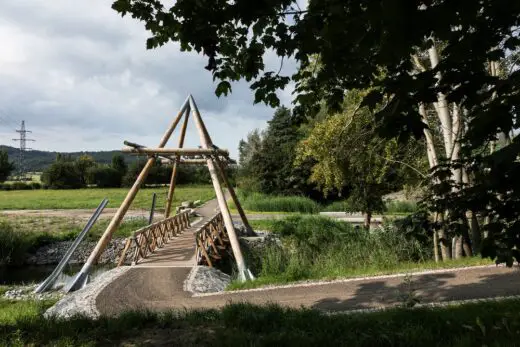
<point>68,172</point>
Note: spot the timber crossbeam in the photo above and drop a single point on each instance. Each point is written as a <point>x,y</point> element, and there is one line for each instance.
<point>211,241</point>
<point>151,237</point>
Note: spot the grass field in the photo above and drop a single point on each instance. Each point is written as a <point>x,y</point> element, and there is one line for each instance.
<point>91,197</point>
<point>476,324</point>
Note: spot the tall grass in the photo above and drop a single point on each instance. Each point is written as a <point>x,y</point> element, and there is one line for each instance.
<point>319,247</point>
<point>396,206</point>
<point>276,203</point>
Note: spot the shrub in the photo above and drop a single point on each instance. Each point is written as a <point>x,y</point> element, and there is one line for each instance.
<point>20,186</point>
<point>400,206</point>
<point>276,203</point>
<point>104,177</point>
<point>13,245</point>
<point>62,174</point>
<point>36,185</point>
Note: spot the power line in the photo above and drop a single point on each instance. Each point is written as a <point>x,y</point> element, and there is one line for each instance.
<point>23,147</point>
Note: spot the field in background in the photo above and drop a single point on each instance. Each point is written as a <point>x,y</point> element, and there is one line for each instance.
<point>91,197</point>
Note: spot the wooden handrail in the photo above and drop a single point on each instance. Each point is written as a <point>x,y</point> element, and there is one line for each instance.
<point>210,241</point>
<point>153,236</point>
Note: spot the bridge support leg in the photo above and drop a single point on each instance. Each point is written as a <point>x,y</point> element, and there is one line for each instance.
<point>243,272</point>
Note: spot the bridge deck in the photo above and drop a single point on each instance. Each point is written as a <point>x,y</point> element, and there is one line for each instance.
<point>180,251</point>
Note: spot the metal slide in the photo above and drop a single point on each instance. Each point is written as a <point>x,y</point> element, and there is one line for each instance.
<point>51,280</point>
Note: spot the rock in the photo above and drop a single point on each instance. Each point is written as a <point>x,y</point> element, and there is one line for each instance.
<point>197,202</point>
<point>53,253</point>
<point>204,279</point>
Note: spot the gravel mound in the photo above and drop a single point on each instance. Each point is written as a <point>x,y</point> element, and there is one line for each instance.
<point>204,279</point>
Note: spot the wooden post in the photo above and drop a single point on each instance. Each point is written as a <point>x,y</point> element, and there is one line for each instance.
<point>243,272</point>
<point>171,190</point>
<point>81,277</point>
<point>222,172</point>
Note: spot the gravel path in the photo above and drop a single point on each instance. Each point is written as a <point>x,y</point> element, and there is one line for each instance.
<point>162,289</point>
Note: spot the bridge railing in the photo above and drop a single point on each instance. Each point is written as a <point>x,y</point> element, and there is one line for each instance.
<point>147,239</point>
<point>211,240</point>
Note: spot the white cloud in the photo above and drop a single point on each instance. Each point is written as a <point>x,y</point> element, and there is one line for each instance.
<point>81,78</point>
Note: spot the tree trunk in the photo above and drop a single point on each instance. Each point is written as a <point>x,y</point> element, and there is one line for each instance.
<point>443,241</point>
<point>474,227</point>
<point>457,249</point>
<point>368,218</point>
<point>441,107</point>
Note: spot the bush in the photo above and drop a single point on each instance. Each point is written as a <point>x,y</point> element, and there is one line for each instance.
<point>274,203</point>
<point>320,247</point>
<point>13,245</point>
<point>20,186</point>
<point>36,185</point>
<point>400,206</point>
<point>104,177</point>
<point>62,174</point>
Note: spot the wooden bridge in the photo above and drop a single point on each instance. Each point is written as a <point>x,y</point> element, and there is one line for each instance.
<point>174,242</point>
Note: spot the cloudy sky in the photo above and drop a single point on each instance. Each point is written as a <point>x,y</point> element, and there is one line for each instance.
<point>81,78</point>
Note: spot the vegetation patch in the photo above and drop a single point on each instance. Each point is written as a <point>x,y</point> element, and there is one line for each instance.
<point>490,323</point>
<point>277,203</point>
<point>314,247</point>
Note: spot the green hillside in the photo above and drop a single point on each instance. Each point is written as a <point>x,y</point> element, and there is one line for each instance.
<point>38,160</point>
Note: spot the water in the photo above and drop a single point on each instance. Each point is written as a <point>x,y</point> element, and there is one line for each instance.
<point>36,274</point>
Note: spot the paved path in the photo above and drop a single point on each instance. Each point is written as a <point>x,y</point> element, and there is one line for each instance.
<point>162,289</point>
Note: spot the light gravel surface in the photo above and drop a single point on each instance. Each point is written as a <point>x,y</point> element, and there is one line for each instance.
<point>83,301</point>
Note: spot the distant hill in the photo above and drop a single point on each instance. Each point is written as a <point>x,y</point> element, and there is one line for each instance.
<point>37,161</point>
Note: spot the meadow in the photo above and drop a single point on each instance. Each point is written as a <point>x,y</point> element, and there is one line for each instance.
<point>91,197</point>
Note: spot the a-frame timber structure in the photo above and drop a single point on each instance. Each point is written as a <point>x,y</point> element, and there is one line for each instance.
<point>208,154</point>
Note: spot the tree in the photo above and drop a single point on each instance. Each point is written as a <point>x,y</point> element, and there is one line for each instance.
<point>266,160</point>
<point>349,153</point>
<point>83,163</point>
<point>6,167</point>
<point>119,164</point>
<point>104,176</point>
<point>62,174</point>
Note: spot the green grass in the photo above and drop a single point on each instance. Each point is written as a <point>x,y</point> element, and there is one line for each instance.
<point>276,203</point>
<point>404,267</point>
<point>314,247</point>
<point>477,324</point>
<point>91,197</point>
